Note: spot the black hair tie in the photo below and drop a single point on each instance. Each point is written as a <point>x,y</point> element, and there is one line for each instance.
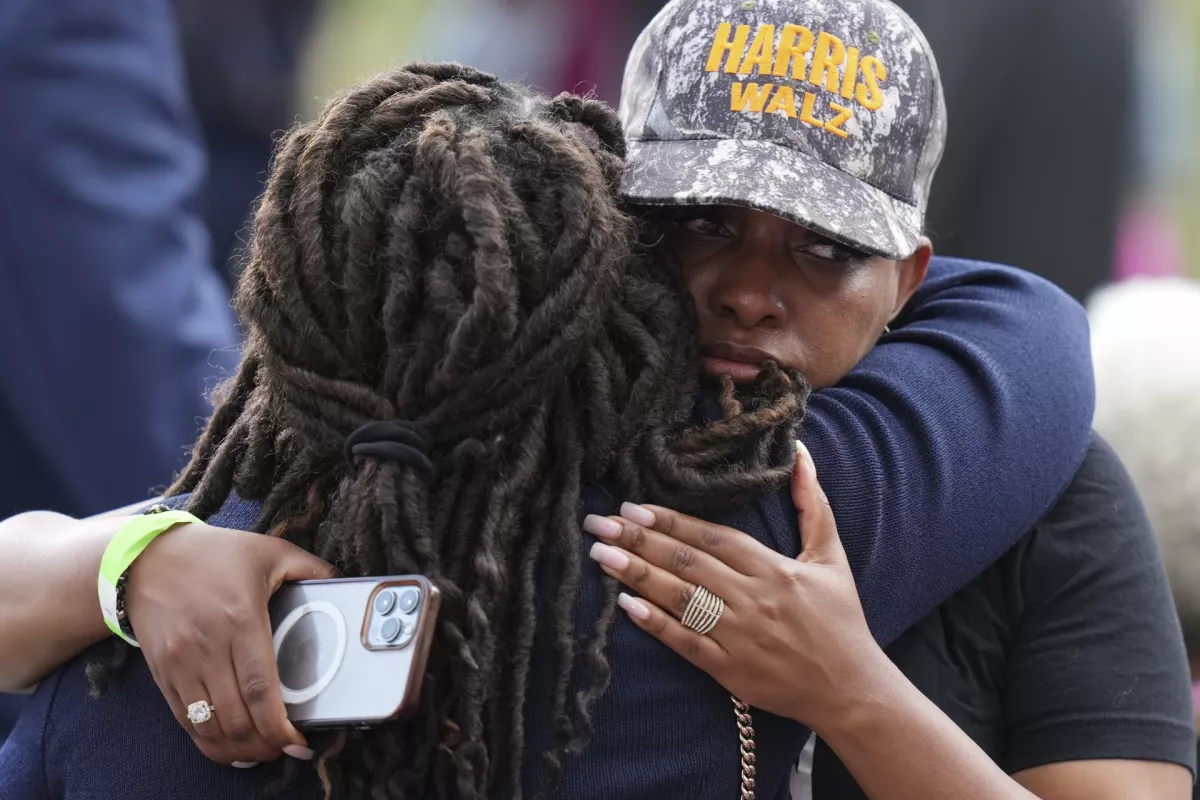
<point>400,441</point>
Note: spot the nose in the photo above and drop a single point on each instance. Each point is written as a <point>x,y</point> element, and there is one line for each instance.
<point>745,293</point>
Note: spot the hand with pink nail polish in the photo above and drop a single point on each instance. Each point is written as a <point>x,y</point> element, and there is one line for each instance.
<point>792,637</point>
<point>197,600</point>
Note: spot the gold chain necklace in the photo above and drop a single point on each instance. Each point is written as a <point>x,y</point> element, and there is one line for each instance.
<point>746,737</point>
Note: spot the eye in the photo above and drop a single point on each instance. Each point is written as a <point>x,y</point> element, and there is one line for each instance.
<point>707,222</point>
<point>828,250</point>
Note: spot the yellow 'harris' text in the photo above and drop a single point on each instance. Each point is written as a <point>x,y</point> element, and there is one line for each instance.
<point>834,67</point>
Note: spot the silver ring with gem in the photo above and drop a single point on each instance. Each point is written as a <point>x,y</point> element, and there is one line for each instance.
<point>200,712</point>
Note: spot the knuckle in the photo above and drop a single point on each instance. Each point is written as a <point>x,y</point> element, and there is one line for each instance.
<point>765,643</point>
<point>659,626</point>
<point>683,559</point>
<point>256,690</point>
<point>239,729</point>
<point>175,650</point>
<point>206,732</point>
<point>691,647</point>
<point>235,615</point>
<point>711,538</point>
<point>640,574</point>
<point>277,735</point>
<point>636,537</point>
<point>683,596</point>
<point>202,643</point>
<point>768,609</point>
<point>788,574</point>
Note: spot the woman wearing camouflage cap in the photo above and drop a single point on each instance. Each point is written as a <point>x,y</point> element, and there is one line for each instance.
<point>782,130</point>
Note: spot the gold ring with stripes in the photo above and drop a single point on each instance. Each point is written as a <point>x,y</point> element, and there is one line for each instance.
<point>703,611</point>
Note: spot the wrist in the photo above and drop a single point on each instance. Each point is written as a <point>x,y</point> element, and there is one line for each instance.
<point>134,537</point>
<point>856,695</point>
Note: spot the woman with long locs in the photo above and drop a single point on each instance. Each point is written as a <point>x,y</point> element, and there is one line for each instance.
<point>446,253</point>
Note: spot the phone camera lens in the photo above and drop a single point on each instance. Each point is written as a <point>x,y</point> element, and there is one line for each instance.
<point>409,600</point>
<point>385,601</point>
<point>407,631</point>
<point>391,629</point>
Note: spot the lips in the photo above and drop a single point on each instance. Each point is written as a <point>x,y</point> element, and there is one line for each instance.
<point>739,362</point>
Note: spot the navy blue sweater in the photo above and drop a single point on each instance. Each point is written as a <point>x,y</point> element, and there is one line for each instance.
<point>957,433</point>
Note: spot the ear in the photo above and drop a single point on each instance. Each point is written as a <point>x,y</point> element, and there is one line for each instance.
<point>912,274</point>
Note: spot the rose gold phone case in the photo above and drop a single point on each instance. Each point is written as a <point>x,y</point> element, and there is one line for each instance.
<point>335,667</point>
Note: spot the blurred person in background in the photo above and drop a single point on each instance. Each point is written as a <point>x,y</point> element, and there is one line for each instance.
<point>242,63</point>
<point>1167,141</point>
<point>1043,95</point>
<point>1146,347</point>
<point>112,322</point>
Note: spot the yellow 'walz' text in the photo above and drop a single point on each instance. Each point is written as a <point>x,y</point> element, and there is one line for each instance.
<point>773,99</point>
<point>834,67</point>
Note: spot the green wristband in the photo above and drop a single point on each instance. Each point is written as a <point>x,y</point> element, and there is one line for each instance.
<point>129,543</point>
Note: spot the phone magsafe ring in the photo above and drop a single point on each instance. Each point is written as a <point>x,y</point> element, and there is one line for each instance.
<point>306,667</point>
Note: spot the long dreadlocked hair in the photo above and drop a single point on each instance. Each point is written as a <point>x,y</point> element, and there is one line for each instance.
<point>443,248</point>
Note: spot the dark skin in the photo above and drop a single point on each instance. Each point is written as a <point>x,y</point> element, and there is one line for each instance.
<point>768,288</point>
<point>764,288</point>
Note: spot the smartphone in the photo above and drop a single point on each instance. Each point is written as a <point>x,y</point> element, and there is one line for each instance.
<point>351,651</point>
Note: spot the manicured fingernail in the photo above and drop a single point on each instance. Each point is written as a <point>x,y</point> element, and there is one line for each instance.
<point>806,456</point>
<point>610,557</point>
<point>296,751</point>
<point>633,607</point>
<point>603,527</point>
<point>244,764</point>
<point>638,515</point>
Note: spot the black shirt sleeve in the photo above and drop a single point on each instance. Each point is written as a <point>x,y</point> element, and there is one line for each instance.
<point>1096,667</point>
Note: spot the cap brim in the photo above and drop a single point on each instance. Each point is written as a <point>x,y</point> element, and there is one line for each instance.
<point>776,179</point>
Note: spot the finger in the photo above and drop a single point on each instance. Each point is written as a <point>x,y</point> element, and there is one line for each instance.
<point>207,735</point>
<point>258,678</point>
<point>226,736</point>
<point>702,651</point>
<point>738,551</point>
<point>207,746</point>
<point>300,565</point>
<point>819,540</point>
<point>656,585</point>
<point>242,738</point>
<point>679,558</point>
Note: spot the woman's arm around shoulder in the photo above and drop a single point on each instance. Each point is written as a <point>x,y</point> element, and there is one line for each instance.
<point>954,435</point>
<point>49,611</point>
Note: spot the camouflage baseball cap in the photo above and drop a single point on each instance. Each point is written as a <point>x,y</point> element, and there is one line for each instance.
<point>828,113</point>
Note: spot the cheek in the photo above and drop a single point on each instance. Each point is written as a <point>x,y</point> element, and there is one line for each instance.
<point>699,281</point>
<point>836,330</point>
